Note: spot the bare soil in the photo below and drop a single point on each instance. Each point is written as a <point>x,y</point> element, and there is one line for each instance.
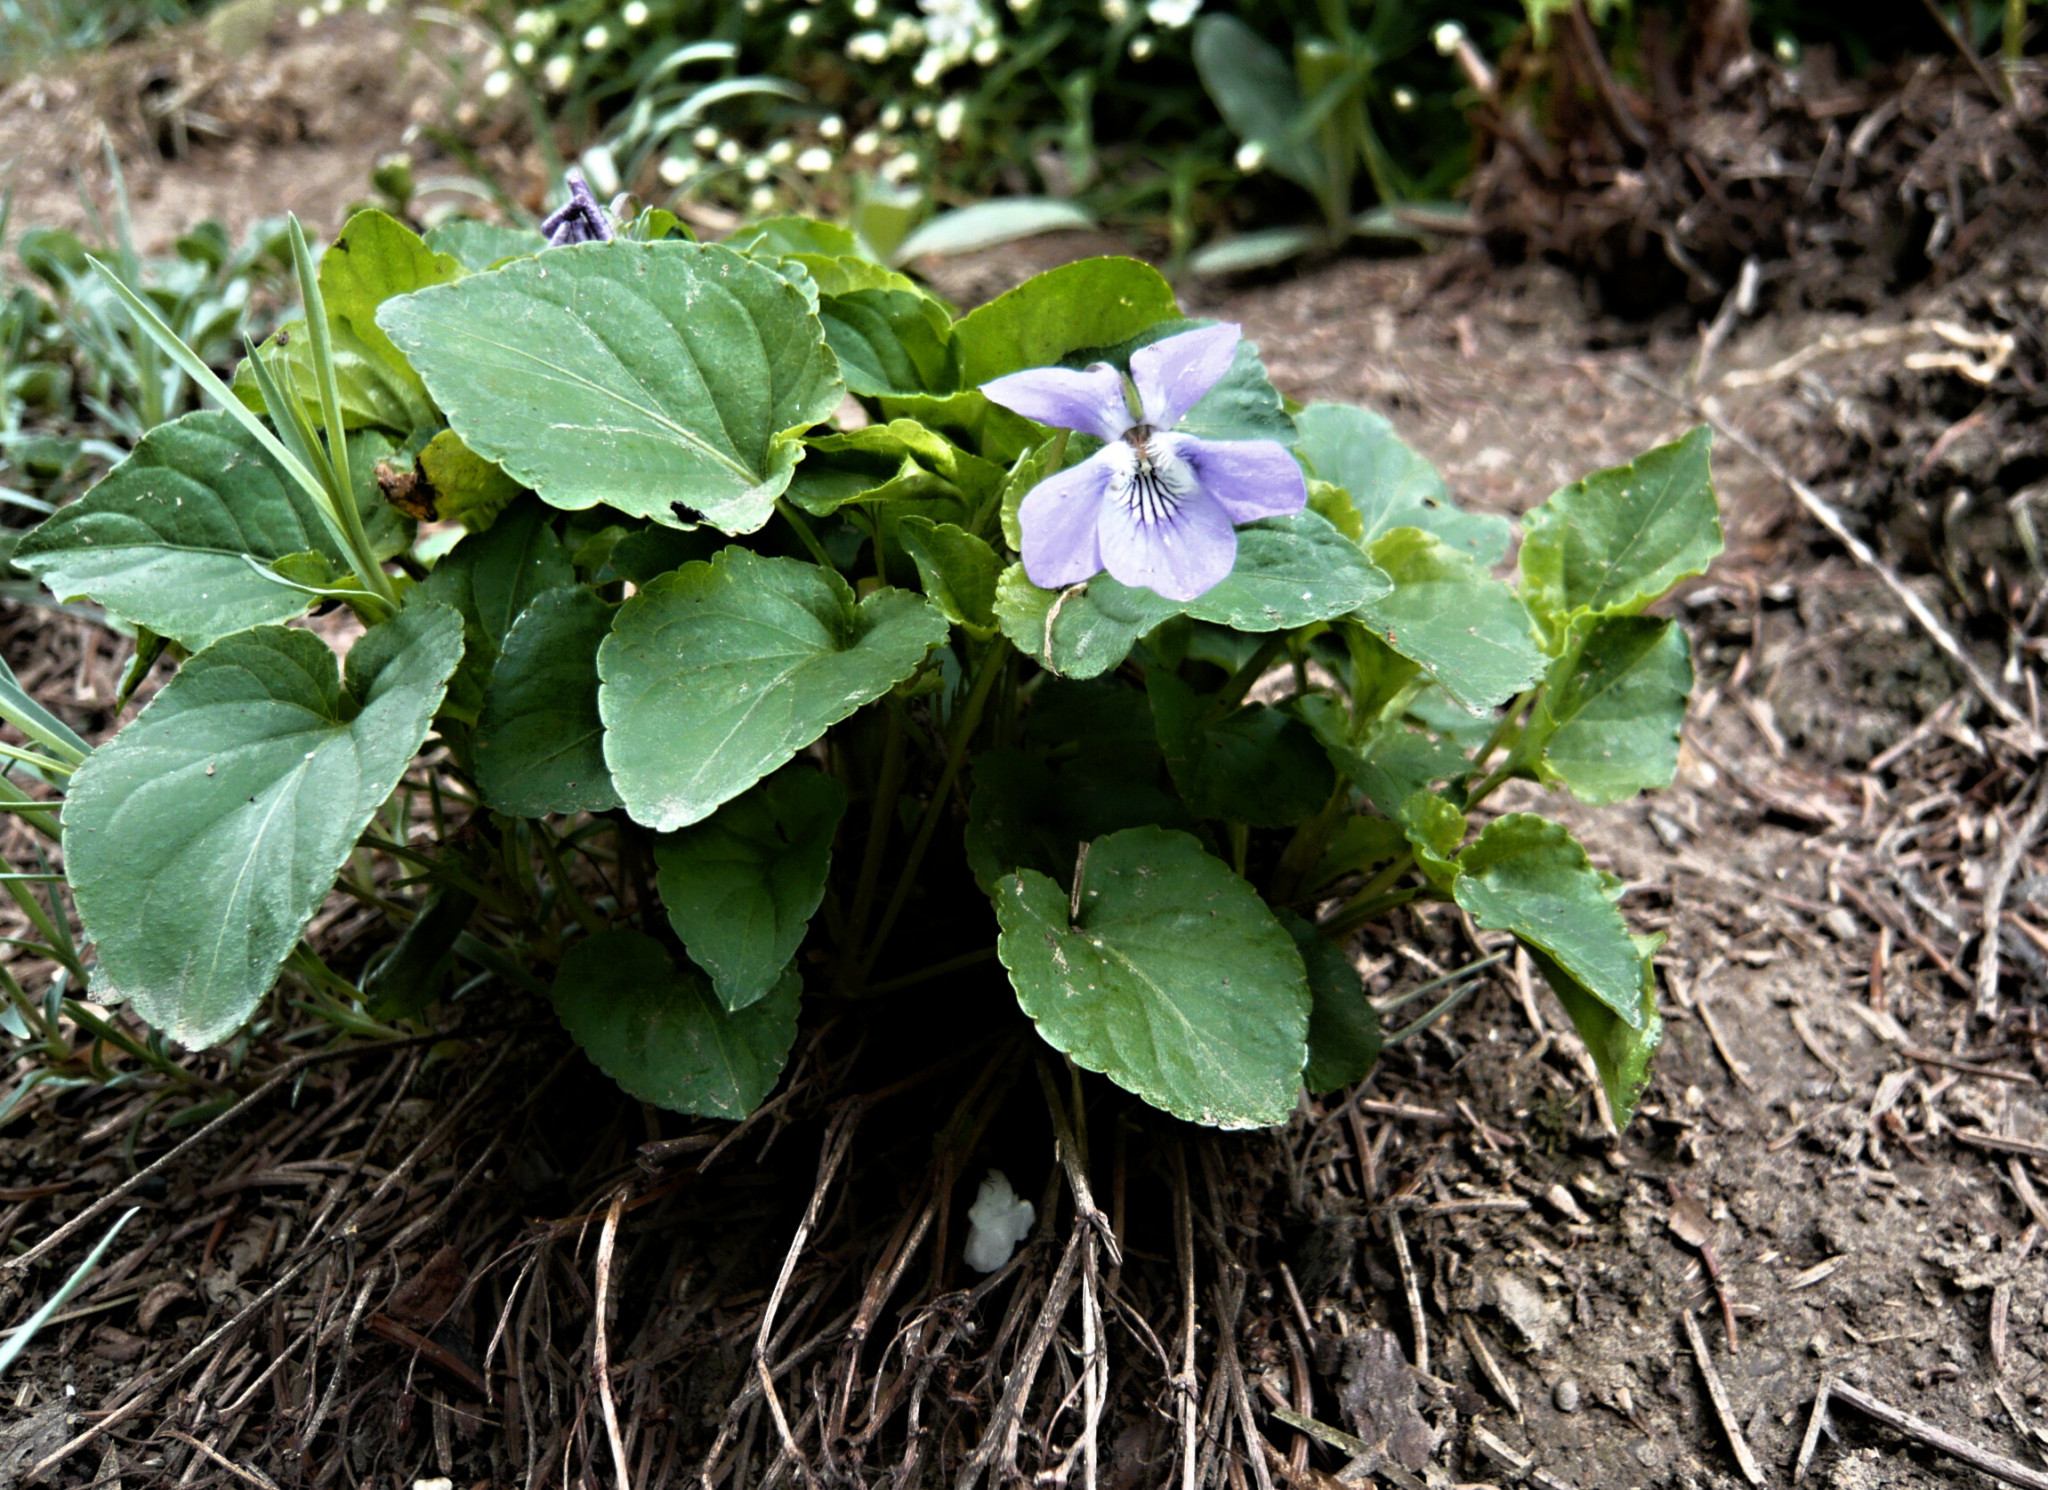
<point>385,1266</point>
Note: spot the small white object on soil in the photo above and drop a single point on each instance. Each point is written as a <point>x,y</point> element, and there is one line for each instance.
<point>996,1222</point>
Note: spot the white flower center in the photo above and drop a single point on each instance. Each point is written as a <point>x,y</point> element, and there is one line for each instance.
<point>1151,479</point>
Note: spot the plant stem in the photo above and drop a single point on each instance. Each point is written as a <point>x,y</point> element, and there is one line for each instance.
<point>888,786</point>
<point>1358,913</point>
<point>1306,846</point>
<point>964,726</point>
<point>1253,669</point>
<point>803,531</point>
<point>937,970</point>
<point>565,889</point>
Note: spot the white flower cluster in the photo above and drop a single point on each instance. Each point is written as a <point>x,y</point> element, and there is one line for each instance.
<point>954,31</point>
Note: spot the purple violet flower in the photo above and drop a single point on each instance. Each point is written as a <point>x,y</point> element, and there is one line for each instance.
<point>1154,506</point>
<point>578,220</point>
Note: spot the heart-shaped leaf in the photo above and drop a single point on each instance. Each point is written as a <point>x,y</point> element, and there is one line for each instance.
<point>1389,766</point>
<point>1174,981</point>
<point>958,570</point>
<point>1614,542</point>
<point>1093,303</point>
<point>1606,724</point>
<point>1467,629</point>
<point>1621,1048</point>
<point>718,673</point>
<point>1528,875</point>
<point>741,886</point>
<point>1343,1026</point>
<point>656,1029</point>
<point>467,488</point>
<point>1291,571</point>
<point>1253,765</point>
<point>1390,484</point>
<point>201,839</point>
<point>166,539</point>
<point>1254,89</point>
<point>375,258</point>
<point>480,245</point>
<point>490,578</point>
<point>1082,631</point>
<point>634,374</point>
<point>539,741</point>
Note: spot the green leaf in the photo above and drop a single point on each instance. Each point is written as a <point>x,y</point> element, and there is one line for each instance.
<point>374,259</point>
<point>1089,628</point>
<point>968,419</point>
<point>1388,767</point>
<point>467,488</point>
<point>718,673</point>
<point>1466,629</point>
<point>1435,828</point>
<point>203,837</point>
<point>741,886</point>
<point>1360,844</point>
<point>161,541</point>
<point>1616,541</point>
<point>992,224</point>
<point>791,236</point>
<point>894,462</point>
<point>478,246</point>
<point>539,742</point>
<point>635,374</point>
<point>1025,814</point>
<point>1175,982</point>
<point>1607,722</point>
<point>1390,484</point>
<point>412,971</point>
<point>1343,1026</point>
<point>490,577</point>
<point>958,571</point>
<point>1528,875</point>
<point>1263,249</point>
<point>1254,765</point>
<point>1254,89</point>
<point>889,339</point>
<point>1094,303</point>
<point>1290,571</point>
<point>1621,1048</point>
<point>656,1029</point>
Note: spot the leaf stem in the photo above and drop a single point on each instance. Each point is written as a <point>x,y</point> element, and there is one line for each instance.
<point>888,787</point>
<point>937,970</point>
<point>1307,844</point>
<point>803,531</point>
<point>1253,669</point>
<point>964,726</point>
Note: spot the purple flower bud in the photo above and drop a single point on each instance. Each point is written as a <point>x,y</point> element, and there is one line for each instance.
<point>578,220</point>
<point>1155,507</point>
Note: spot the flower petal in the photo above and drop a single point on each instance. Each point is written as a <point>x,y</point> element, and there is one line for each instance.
<point>1091,401</point>
<point>1172,375</point>
<point>1179,558</point>
<point>1249,479</point>
<point>1059,517</point>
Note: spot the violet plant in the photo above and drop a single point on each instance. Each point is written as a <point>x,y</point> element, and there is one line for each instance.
<point>801,641</point>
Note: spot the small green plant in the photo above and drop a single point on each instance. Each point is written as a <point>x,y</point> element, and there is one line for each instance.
<point>726,691</point>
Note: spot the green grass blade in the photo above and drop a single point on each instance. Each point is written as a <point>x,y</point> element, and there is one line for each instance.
<point>24,1333</point>
<point>321,336</point>
<point>197,370</point>
<point>37,722</point>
